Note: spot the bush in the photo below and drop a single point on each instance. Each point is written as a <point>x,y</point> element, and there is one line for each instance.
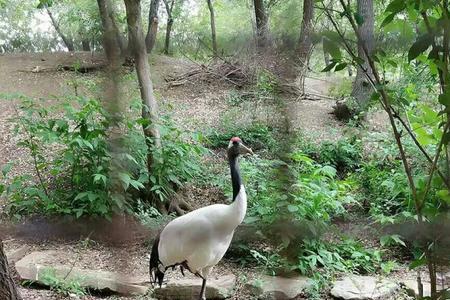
<point>84,166</point>
<point>256,135</point>
<point>345,155</point>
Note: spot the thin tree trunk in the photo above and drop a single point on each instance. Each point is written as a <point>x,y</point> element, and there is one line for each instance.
<point>361,88</point>
<point>111,30</point>
<point>150,38</point>
<point>67,41</point>
<point>213,28</point>
<point>85,45</point>
<point>170,20</point>
<point>150,109</point>
<point>8,290</point>
<point>262,23</point>
<point>304,46</point>
<point>111,42</point>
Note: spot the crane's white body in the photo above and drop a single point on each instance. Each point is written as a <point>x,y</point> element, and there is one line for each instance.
<point>201,237</point>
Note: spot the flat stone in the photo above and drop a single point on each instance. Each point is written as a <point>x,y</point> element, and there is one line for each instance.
<point>220,287</point>
<point>413,290</point>
<point>275,287</point>
<point>16,254</point>
<point>363,288</point>
<point>37,264</point>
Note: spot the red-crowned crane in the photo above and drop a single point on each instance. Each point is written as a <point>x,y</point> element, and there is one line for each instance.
<point>198,240</point>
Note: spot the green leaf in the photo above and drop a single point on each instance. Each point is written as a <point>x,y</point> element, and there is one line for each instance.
<point>340,67</point>
<point>137,185</point>
<point>417,263</point>
<point>126,179</point>
<point>396,6</point>
<point>6,168</point>
<point>444,99</point>
<point>329,67</point>
<point>388,20</point>
<point>359,19</point>
<point>332,48</point>
<point>444,195</point>
<point>420,46</point>
<point>292,208</point>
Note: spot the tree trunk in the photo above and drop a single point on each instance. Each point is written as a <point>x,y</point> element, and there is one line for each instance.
<point>361,88</point>
<point>304,46</point>
<point>111,33</point>
<point>168,31</point>
<point>213,28</point>
<point>85,45</point>
<point>8,290</point>
<point>149,109</point>
<point>262,23</point>
<point>169,25</point>
<point>111,42</point>
<point>150,39</point>
<point>67,41</point>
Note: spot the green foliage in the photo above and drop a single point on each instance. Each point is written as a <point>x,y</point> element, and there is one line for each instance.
<point>84,175</point>
<point>93,171</point>
<point>341,90</point>
<point>176,161</point>
<point>385,186</point>
<point>346,256</point>
<point>316,194</point>
<point>345,154</point>
<point>266,83</point>
<point>256,135</point>
<point>63,286</point>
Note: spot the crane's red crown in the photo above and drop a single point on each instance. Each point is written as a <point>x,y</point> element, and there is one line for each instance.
<point>235,139</point>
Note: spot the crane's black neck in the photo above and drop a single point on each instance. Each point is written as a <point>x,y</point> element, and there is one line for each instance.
<point>235,175</point>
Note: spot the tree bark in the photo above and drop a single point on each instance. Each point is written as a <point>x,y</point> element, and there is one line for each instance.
<point>111,42</point>
<point>304,46</point>
<point>85,45</point>
<point>213,28</point>
<point>361,88</point>
<point>8,290</point>
<point>111,34</point>
<point>150,108</point>
<point>150,38</point>
<point>262,23</point>
<point>169,9</point>
<point>67,41</point>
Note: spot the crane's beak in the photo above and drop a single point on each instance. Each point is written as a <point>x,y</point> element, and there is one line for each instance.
<point>245,150</point>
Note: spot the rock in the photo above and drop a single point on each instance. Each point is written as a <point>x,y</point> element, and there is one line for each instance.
<point>37,264</point>
<point>413,290</point>
<point>274,287</point>
<point>14,255</point>
<point>189,288</point>
<point>363,288</point>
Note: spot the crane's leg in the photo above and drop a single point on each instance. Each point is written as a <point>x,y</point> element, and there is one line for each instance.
<point>204,275</point>
<point>203,291</point>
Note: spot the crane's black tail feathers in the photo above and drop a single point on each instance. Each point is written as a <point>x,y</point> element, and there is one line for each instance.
<point>155,272</point>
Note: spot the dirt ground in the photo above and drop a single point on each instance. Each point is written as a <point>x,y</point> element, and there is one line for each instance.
<point>194,106</point>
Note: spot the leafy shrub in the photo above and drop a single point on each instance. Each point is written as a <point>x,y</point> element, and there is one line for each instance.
<point>176,161</point>
<point>266,83</point>
<point>315,196</point>
<point>60,285</point>
<point>345,155</point>
<point>346,256</point>
<point>256,135</point>
<point>94,169</point>
<point>385,186</point>
<point>79,177</point>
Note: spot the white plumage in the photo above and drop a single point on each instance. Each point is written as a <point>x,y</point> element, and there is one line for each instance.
<point>198,240</point>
